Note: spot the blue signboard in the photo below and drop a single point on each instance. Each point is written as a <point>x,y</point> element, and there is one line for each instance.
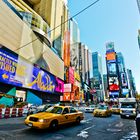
<point>42,81</point>
<point>8,64</point>
<point>17,71</point>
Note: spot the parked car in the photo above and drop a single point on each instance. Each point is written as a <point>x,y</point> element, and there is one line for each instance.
<point>90,108</point>
<point>54,116</point>
<point>115,109</point>
<point>102,111</point>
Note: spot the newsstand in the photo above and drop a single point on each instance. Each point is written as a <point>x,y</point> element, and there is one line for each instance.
<point>138,125</point>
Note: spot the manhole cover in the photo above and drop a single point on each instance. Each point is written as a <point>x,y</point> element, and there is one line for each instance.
<point>58,136</point>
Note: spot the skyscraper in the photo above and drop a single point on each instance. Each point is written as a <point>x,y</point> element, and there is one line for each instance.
<point>131,83</point>
<point>97,75</point>
<point>112,71</point>
<point>138,3</point>
<point>123,82</point>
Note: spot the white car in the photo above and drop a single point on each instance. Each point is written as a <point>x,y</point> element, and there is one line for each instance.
<point>90,108</point>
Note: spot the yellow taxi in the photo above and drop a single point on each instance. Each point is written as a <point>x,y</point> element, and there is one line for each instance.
<point>53,117</point>
<point>115,109</point>
<point>102,111</point>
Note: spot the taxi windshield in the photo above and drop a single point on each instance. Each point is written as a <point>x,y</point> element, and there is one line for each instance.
<point>102,107</point>
<point>56,110</point>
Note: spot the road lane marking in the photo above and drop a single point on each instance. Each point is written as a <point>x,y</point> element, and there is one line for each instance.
<point>84,133</point>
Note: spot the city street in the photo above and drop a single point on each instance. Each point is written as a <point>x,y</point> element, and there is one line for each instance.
<point>91,128</point>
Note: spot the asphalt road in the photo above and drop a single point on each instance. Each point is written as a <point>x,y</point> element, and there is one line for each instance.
<point>111,128</point>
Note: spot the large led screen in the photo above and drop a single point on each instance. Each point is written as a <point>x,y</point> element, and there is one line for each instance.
<point>111,56</point>
<point>113,84</point>
<point>124,80</point>
<point>112,68</point>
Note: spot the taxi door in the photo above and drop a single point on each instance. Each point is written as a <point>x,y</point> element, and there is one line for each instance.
<point>73,114</point>
<point>65,117</point>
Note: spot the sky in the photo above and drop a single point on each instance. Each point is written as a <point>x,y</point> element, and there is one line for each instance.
<point>110,20</point>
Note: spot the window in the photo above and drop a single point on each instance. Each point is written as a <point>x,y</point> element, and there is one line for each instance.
<point>66,111</point>
<point>72,110</point>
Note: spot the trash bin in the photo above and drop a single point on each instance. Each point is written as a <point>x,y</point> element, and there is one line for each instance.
<point>138,125</point>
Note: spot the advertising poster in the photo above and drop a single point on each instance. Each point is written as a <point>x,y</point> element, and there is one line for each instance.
<point>112,68</point>
<point>42,81</point>
<point>67,87</point>
<point>113,84</point>
<point>8,67</point>
<point>59,85</point>
<point>125,91</point>
<point>71,75</point>
<point>67,48</point>
<point>66,97</point>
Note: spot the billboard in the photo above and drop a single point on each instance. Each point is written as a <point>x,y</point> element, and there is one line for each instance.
<point>67,48</point>
<point>71,75</point>
<point>111,56</point>
<point>66,96</point>
<point>125,91</point>
<point>67,87</point>
<point>17,71</point>
<point>114,93</point>
<point>113,84</point>
<point>111,68</point>
<point>124,80</point>
<point>110,47</point>
<point>59,85</point>
<point>74,56</point>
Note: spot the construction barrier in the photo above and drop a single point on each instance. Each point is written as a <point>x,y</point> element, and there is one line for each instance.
<point>20,112</point>
<point>14,112</point>
<point>7,113</point>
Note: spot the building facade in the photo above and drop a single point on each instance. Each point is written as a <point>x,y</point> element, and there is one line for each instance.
<point>131,83</point>
<point>26,47</point>
<point>98,75</point>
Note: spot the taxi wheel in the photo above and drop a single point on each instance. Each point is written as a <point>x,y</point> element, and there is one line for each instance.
<point>78,120</point>
<point>53,125</point>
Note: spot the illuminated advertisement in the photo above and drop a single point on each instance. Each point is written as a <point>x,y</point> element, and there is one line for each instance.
<point>59,85</point>
<point>17,71</point>
<point>71,75</point>
<point>124,80</point>
<point>8,65</point>
<point>114,93</point>
<point>112,68</point>
<point>110,56</point>
<point>125,91</point>
<point>66,97</point>
<point>42,81</point>
<point>67,87</point>
<point>67,48</point>
<point>113,84</point>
